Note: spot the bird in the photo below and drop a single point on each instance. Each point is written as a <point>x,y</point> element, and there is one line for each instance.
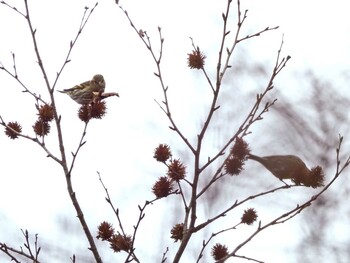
<point>284,167</point>
<point>85,92</point>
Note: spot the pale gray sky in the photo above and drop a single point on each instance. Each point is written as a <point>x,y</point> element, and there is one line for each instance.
<point>120,146</point>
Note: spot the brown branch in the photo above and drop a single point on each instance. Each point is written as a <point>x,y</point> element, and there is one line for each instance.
<point>205,243</point>
<point>238,203</point>
<point>34,139</point>
<point>203,69</point>
<point>252,117</point>
<point>32,255</point>
<point>257,33</point>
<point>57,119</point>
<point>147,42</point>
<point>164,258</point>
<point>240,21</point>
<point>15,76</point>
<point>67,172</point>
<point>190,216</point>
<point>298,209</point>
<point>7,251</point>
<point>131,254</point>
<point>72,43</point>
<point>81,144</point>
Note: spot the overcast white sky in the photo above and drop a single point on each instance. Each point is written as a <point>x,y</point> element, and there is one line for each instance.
<point>120,146</point>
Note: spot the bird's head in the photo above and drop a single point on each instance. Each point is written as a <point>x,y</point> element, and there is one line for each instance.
<point>99,80</point>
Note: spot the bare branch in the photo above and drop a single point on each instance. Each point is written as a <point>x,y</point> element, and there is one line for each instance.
<point>147,42</point>
<point>81,144</point>
<point>32,255</point>
<point>299,208</point>
<point>34,139</point>
<point>83,22</point>
<point>131,254</point>
<point>15,76</point>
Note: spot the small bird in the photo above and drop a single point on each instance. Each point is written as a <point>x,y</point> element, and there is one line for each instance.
<point>84,92</point>
<point>284,166</point>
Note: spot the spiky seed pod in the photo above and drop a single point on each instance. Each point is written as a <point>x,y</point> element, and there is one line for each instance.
<point>162,187</point>
<point>120,242</point>
<point>162,153</point>
<point>219,251</point>
<point>196,59</point>
<point>105,231</point>
<point>12,130</point>
<point>176,170</point>
<point>177,232</point>
<point>41,128</point>
<point>249,216</point>
<point>46,113</point>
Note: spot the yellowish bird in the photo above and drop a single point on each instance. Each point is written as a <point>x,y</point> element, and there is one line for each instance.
<point>85,92</point>
<point>284,166</point>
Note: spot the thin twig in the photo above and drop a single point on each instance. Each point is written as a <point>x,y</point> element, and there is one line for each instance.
<point>142,209</point>
<point>83,22</point>
<point>34,139</point>
<point>252,117</point>
<point>109,201</point>
<point>164,258</point>
<point>205,243</point>
<point>157,59</point>
<point>298,209</point>
<point>15,76</point>
<point>203,69</point>
<point>81,144</point>
<point>238,203</point>
<point>33,256</point>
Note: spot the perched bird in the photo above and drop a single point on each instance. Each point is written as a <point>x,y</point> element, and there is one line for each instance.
<point>284,167</point>
<point>84,92</point>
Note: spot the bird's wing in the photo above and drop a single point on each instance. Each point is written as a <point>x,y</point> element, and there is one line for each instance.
<point>80,86</point>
